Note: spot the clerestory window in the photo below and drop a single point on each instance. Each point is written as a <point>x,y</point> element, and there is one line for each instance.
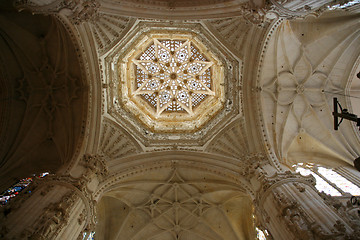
<point>327,180</point>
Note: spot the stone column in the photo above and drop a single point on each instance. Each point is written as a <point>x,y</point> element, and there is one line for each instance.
<point>57,207</point>
<point>290,207</point>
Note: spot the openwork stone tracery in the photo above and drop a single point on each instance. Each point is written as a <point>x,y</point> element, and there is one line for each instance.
<point>173,76</point>
<point>168,84</point>
<point>172,82</point>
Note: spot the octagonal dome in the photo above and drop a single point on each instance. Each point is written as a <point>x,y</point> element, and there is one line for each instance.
<point>172,83</point>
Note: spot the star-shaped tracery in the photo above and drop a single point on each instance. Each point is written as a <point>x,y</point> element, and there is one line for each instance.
<point>173,76</point>
<point>176,206</point>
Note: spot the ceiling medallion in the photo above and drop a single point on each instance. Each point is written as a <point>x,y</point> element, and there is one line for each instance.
<point>172,82</point>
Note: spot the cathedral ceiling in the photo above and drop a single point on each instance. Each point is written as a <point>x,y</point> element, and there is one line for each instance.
<point>234,32</point>
<point>114,77</point>
<point>231,141</point>
<point>173,185</point>
<point>175,203</point>
<point>104,29</point>
<point>43,95</point>
<point>115,143</point>
<point>305,65</point>
<point>354,90</point>
<point>109,29</point>
<point>299,72</point>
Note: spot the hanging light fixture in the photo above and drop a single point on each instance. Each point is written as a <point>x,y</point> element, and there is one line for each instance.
<point>357,163</point>
<point>343,114</point>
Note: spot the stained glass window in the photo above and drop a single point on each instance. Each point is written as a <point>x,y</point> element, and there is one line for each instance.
<point>260,235</point>
<point>88,236</point>
<point>173,76</point>
<point>327,180</point>
<point>14,190</point>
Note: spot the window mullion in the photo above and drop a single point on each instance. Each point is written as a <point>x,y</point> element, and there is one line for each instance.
<point>328,181</point>
<point>345,173</point>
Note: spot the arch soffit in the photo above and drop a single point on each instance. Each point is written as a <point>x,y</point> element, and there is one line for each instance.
<point>254,120</point>
<point>150,163</point>
<point>85,52</point>
<point>180,9</point>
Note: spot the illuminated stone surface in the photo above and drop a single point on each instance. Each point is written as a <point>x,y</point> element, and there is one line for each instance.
<point>172,82</point>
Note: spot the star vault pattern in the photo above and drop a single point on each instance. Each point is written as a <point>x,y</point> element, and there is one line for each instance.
<point>176,206</point>
<point>173,76</point>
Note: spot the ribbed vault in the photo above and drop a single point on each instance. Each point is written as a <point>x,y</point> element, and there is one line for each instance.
<point>278,79</point>
<point>175,203</point>
<point>300,75</point>
<point>43,96</point>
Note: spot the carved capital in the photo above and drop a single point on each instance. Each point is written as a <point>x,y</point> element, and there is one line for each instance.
<point>281,178</point>
<point>251,164</point>
<point>95,165</point>
<point>85,10</point>
<point>76,10</point>
<point>255,13</point>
